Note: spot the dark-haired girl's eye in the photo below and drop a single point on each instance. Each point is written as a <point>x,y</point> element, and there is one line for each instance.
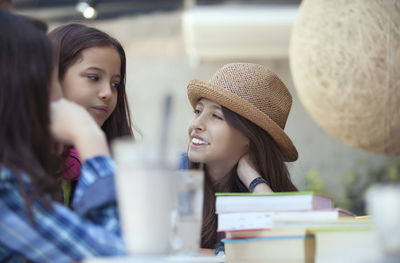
<point>93,77</point>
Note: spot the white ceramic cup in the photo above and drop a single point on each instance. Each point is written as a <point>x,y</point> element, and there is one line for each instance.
<point>145,183</point>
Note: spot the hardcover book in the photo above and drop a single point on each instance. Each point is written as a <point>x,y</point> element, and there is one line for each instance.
<point>284,201</point>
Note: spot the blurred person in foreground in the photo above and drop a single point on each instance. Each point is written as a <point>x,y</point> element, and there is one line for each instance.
<point>34,224</point>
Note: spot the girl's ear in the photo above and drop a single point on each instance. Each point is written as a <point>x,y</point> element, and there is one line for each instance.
<point>246,147</point>
<point>248,144</point>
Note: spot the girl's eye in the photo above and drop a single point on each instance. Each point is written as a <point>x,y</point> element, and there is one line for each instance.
<point>115,85</point>
<point>196,111</point>
<point>93,77</point>
<point>217,117</point>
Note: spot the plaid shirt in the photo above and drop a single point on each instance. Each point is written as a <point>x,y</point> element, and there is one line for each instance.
<point>62,235</point>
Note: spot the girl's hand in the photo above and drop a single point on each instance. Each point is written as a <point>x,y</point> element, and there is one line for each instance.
<point>72,124</point>
<point>247,173</point>
<point>246,170</point>
<point>69,120</point>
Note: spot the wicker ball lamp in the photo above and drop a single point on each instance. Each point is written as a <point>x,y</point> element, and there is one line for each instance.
<point>345,61</point>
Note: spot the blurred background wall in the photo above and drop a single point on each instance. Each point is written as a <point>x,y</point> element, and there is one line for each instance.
<point>169,43</point>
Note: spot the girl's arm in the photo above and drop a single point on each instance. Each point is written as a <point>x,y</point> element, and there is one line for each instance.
<point>71,123</point>
<point>247,173</point>
<point>59,234</point>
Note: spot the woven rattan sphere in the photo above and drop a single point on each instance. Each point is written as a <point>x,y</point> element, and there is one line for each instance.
<point>345,61</point>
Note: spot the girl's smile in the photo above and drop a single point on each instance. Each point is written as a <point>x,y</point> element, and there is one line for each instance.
<point>198,142</point>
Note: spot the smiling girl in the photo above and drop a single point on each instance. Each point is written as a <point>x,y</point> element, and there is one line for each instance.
<point>237,132</point>
<point>92,72</point>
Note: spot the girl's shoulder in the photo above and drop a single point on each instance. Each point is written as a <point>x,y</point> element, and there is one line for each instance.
<point>8,178</point>
<point>6,174</point>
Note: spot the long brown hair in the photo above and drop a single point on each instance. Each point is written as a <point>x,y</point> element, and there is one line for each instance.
<point>26,66</point>
<point>268,160</point>
<point>69,41</point>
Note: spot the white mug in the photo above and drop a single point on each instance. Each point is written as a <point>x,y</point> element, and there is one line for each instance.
<point>145,183</point>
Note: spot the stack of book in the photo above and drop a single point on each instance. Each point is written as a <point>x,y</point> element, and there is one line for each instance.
<point>287,227</point>
<point>346,240</point>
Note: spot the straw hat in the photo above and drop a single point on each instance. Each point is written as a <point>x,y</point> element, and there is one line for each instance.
<point>253,92</point>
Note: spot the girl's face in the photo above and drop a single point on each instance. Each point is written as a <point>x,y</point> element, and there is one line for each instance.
<point>93,81</point>
<point>213,140</point>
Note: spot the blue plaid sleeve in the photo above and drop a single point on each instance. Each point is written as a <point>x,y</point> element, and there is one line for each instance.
<point>59,234</point>
<point>96,186</point>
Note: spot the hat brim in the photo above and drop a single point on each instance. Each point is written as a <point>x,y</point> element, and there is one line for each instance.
<point>198,89</point>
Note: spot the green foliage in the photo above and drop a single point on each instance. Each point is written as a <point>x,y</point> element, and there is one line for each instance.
<point>314,181</point>
<point>355,183</point>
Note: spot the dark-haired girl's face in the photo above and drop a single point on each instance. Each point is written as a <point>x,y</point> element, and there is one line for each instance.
<point>93,81</point>
<point>213,140</point>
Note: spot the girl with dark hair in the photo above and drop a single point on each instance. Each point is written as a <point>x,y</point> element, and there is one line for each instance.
<point>92,71</point>
<point>34,226</point>
<point>237,135</point>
